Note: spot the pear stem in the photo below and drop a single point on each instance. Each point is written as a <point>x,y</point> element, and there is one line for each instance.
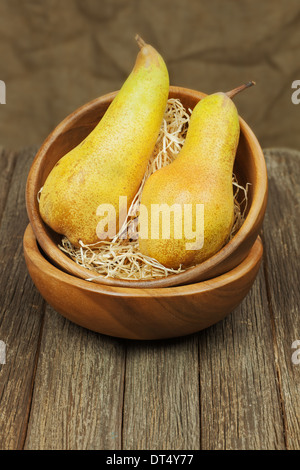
<point>237,90</point>
<point>140,41</point>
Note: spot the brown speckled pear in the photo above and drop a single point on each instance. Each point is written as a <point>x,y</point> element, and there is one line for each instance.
<point>111,161</point>
<point>201,175</point>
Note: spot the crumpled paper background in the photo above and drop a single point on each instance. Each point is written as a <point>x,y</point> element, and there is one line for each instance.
<point>55,55</point>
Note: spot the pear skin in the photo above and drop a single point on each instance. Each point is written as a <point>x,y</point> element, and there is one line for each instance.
<point>200,179</point>
<point>111,161</point>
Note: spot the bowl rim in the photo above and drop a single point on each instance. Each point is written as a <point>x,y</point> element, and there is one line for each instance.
<point>256,210</point>
<point>38,260</point>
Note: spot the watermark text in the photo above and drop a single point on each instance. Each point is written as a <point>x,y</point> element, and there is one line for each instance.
<point>2,92</point>
<point>178,221</point>
<point>2,352</point>
<point>296,94</point>
<point>296,354</point>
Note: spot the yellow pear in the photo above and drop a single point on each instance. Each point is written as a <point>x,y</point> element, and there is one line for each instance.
<point>111,161</point>
<point>187,207</point>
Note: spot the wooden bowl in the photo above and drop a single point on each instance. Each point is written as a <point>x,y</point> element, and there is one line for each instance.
<point>249,167</point>
<point>140,313</point>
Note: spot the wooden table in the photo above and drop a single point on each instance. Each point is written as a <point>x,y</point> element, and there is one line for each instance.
<point>235,385</point>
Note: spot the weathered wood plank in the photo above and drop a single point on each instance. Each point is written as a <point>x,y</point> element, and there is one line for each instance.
<point>21,309</point>
<point>7,165</point>
<point>282,270</point>
<point>240,402</point>
<point>249,387</point>
<point>78,389</point>
<point>161,402</point>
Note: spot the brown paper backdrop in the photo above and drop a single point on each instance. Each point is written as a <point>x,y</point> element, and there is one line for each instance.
<point>55,55</point>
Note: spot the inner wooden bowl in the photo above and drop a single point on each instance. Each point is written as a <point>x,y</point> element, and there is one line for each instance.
<point>141,313</point>
<point>249,167</point>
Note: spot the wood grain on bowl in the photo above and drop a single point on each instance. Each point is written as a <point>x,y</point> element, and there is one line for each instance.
<point>137,313</point>
<point>249,167</point>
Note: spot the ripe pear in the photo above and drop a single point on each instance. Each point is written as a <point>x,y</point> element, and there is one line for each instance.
<point>111,161</point>
<point>187,207</point>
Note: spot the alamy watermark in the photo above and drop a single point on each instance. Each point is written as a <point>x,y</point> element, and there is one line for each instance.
<point>186,221</point>
<point>2,92</point>
<point>296,354</point>
<point>296,94</point>
<point>2,352</point>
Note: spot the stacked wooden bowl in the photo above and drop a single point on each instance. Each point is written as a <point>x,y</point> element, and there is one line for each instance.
<point>176,305</point>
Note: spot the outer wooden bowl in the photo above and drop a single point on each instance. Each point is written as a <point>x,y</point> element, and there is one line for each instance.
<point>249,167</point>
<point>141,313</point>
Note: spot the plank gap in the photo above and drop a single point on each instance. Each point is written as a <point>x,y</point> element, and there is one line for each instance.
<point>36,359</point>
<point>275,346</point>
<point>124,391</point>
<point>199,395</point>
